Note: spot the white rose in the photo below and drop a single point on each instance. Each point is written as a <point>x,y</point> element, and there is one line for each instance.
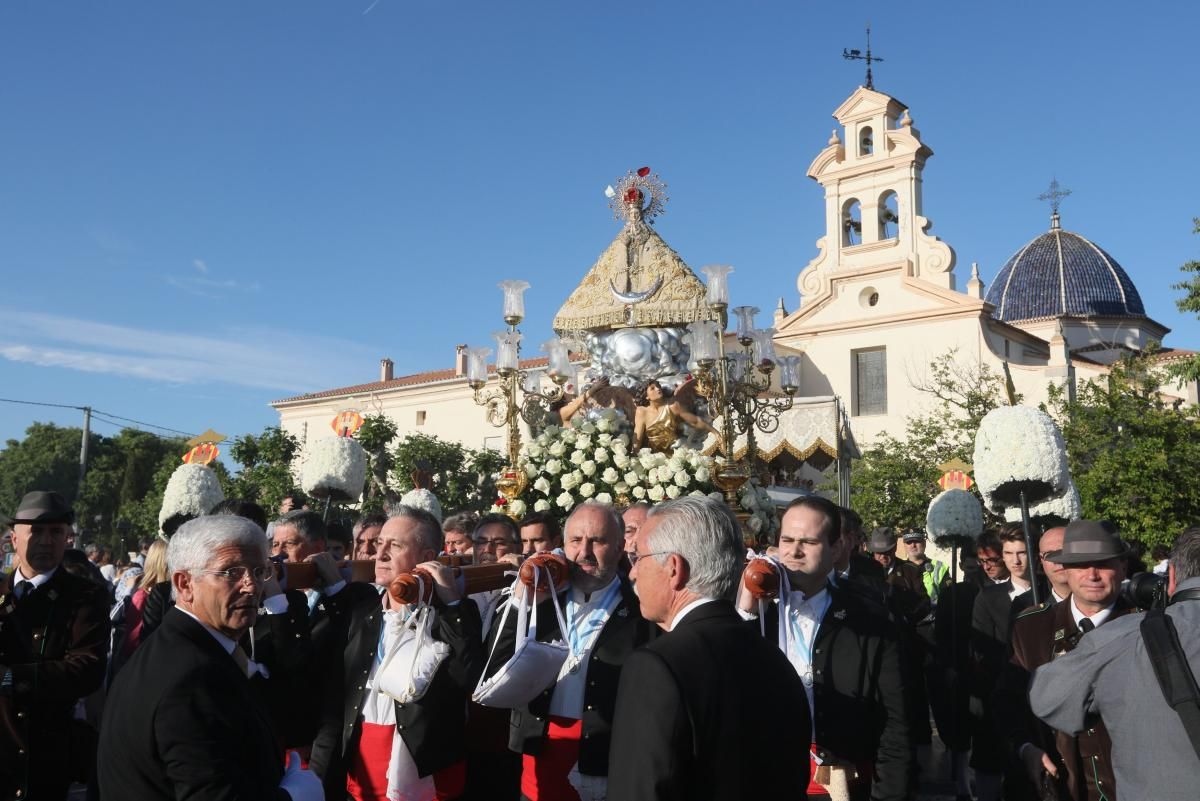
<point>620,460</point>
<point>604,439</point>
<point>518,507</point>
<point>620,487</point>
<point>604,497</point>
<point>534,451</point>
<point>568,436</point>
<point>554,467</point>
<point>600,455</point>
<point>646,458</point>
<point>541,505</point>
<point>639,492</point>
<point>542,485</point>
<point>682,478</point>
<point>587,490</point>
<point>675,463</point>
<point>569,481</point>
<point>632,479</point>
<point>588,428</point>
<point>565,500</point>
<point>578,476</point>
<point>623,439</point>
<point>610,476</point>
<point>531,470</point>
<point>656,494</point>
<point>578,457</point>
<point>673,492</point>
<point>583,441</point>
<point>588,468</point>
<point>604,424</point>
<point>702,474</point>
<point>558,449</point>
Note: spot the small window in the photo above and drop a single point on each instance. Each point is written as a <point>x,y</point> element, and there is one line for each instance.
<point>851,223</point>
<point>870,381</point>
<point>421,418</point>
<point>866,141</point>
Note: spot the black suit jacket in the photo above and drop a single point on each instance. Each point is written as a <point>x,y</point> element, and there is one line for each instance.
<point>182,722</point>
<point>625,630</point>
<point>709,711</point>
<point>859,690</point>
<point>432,727</point>
<point>54,641</point>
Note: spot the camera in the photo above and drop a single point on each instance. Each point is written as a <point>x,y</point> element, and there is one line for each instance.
<point>1147,591</point>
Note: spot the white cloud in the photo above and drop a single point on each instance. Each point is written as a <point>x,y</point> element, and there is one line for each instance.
<point>200,265</point>
<point>263,358</point>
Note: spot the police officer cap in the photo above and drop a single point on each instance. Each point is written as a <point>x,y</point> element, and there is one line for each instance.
<point>914,535</point>
<point>1090,541</point>
<point>41,507</point>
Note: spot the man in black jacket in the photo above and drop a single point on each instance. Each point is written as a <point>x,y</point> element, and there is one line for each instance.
<point>53,641</point>
<point>564,732</point>
<point>368,742</point>
<point>708,710</point>
<point>848,656</point>
<point>182,720</point>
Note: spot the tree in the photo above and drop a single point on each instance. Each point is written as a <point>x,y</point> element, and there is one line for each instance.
<point>894,480</point>
<point>1132,450</point>
<point>376,434</point>
<point>463,478</point>
<point>266,476</point>
<point>1189,369</point>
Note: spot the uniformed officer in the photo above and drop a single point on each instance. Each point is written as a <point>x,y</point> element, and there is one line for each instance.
<point>1092,555</point>
<point>53,645</point>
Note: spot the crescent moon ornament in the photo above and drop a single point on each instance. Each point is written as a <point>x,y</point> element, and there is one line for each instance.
<point>633,298</point>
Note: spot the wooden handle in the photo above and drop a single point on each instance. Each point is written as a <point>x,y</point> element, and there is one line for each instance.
<point>303,575</point>
<point>417,586</point>
<point>761,579</point>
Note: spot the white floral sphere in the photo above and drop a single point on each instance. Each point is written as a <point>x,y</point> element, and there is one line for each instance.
<point>955,518</point>
<point>423,499</point>
<point>193,489</point>
<point>335,467</point>
<point>1019,448</point>
<point>1064,507</point>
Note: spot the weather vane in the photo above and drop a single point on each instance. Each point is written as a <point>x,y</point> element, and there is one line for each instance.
<point>857,55</point>
<point>1055,196</point>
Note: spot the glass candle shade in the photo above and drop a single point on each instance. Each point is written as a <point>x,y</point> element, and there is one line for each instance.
<point>477,372</point>
<point>789,372</point>
<point>739,366</point>
<point>514,301</point>
<point>507,343</point>
<point>764,349</point>
<point>702,339</point>
<point>531,383</point>
<point>718,284</point>
<point>745,323</point>
<point>560,359</point>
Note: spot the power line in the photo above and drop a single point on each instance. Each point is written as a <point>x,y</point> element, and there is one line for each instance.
<point>99,412</point>
<point>140,423</point>
<point>125,426</point>
<point>41,403</point>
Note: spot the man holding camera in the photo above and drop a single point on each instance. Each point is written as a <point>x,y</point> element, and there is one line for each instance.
<point>1111,674</point>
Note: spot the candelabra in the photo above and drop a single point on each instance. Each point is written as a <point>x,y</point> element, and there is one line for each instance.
<point>519,394</point>
<point>735,383</point>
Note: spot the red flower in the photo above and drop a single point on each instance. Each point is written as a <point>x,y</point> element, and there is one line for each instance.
<point>501,501</point>
<point>633,195</point>
<point>644,171</point>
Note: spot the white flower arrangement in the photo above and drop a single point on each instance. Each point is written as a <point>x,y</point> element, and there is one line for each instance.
<point>1019,448</point>
<point>335,467</point>
<point>955,518</point>
<point>423,499</point>
<point>192,490</point>
<point>1065,508</point>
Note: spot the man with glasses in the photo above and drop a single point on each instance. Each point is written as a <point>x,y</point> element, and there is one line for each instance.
<point>53,642</point>
<point>182,719</point>
<point>495,536</point>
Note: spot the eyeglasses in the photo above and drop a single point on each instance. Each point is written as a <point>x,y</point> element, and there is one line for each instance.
<point>237,575</point>
<point>289,544</point>
<point>635,557</point>
<point>990,560</point>
<point>498,543</point>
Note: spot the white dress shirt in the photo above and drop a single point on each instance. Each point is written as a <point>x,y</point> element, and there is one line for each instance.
<point>36,581</point>
<point>1096,619</point>
<point>567,700</point>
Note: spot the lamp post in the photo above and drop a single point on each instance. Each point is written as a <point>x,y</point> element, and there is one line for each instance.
<point>735,383</point>
<point>519,395</point>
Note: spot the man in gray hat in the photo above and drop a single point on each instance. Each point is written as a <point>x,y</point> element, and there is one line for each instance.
<point>1092,558</point>
<point>1110,675</point>
<point>53,644</point>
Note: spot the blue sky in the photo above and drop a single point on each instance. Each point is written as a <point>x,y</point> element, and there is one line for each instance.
<point>205,206</point>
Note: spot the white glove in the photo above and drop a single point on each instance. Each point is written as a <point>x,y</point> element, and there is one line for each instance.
<point>299,783</point>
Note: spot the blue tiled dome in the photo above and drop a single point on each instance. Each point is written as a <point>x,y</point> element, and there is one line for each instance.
<point>1061,273</point>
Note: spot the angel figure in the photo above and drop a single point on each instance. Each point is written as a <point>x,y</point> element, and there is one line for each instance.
<point>659,419</point>
<point>598,395</point>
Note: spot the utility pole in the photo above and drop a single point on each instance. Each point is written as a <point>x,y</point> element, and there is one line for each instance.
<point>83,447</point>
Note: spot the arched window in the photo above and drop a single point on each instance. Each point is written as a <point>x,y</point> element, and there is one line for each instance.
<point>851,223</point>
<point>866,141</point>
<point>889,216</point>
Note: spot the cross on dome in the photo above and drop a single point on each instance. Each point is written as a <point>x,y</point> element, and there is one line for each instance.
<point>1054,196</point>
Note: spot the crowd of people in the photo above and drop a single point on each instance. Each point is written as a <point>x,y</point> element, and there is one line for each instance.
<point>651,670</point>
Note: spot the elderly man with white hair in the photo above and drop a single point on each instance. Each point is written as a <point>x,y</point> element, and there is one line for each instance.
<point>708,710</point>
<point>182,720</point>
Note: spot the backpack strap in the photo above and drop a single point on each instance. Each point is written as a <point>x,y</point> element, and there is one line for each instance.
<point>1175,677</point>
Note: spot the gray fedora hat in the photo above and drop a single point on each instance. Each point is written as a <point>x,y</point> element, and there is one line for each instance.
<point>882,540</point>
<point>41,507</point>
<point>1090,541</point>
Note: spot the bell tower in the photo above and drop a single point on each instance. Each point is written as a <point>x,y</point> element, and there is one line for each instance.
<point>871,172</point>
